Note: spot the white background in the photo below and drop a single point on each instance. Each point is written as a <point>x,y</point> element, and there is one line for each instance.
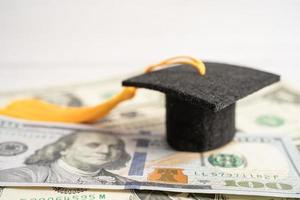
<point>55,42</point>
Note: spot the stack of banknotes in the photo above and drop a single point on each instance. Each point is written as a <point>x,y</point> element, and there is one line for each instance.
<point>125,155</point>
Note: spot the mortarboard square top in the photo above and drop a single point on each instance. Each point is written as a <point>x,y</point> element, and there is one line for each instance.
<point>200,110</point>
<point>221,86</point>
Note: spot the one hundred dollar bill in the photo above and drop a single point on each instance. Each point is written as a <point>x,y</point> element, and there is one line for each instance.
<point>141,114</point>
<point>273,110</point>
<point>38,154</point>
<point>80,94</point>
<point>56,193</point>
<point>146,114</point>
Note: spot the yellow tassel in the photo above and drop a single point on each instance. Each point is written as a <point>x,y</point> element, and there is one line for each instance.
<point>34,109</point>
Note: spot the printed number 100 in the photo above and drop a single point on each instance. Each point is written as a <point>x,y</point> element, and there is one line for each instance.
<point>255,184</point>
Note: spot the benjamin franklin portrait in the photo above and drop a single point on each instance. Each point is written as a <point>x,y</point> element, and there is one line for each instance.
<point>80,158</point>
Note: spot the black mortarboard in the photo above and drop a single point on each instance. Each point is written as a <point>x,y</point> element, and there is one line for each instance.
<point>200,110</point>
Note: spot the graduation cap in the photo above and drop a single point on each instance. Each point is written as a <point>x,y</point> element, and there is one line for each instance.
<point>200,110</point>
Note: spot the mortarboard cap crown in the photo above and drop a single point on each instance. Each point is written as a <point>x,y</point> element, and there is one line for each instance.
<point>200,110</point>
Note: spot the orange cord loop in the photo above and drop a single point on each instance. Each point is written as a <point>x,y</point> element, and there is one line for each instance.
<point>198,64</point>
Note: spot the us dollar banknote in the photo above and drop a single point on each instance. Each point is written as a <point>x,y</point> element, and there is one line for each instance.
<point>273,110</point>
<point>141,114</point>
<point>39,154</point>
<point>56,193</point>
<point>80,94</point>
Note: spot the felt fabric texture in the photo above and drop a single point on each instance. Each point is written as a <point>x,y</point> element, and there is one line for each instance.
<point>200,110</point>
<point>192,128</point>
<point>221,86</point>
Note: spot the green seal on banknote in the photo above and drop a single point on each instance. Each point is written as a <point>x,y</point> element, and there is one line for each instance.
<point>270,120</point>
<point>12,148</point>
<point>226,160</point>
